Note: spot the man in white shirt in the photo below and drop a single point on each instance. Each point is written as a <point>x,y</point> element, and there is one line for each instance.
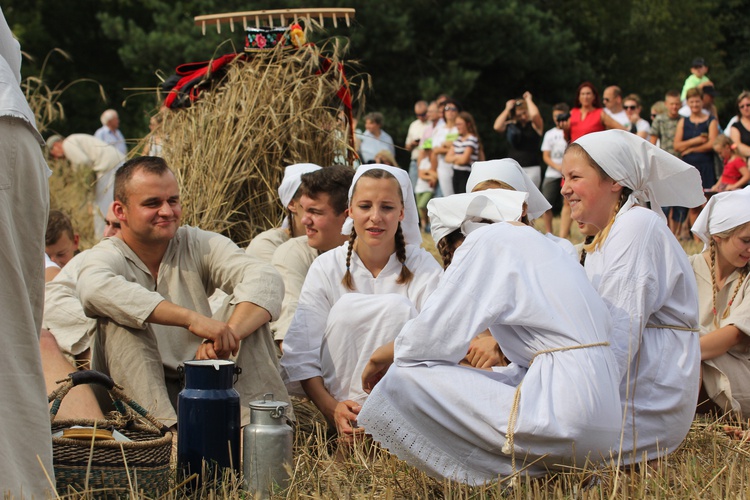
<point>612,99</point>
<point>25,433</point>
<point>374,139</point>
<point>110,132</point>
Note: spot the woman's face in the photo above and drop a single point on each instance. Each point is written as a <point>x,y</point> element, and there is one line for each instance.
<point>461,126</point>
<point>744,107</point>
<point>735,249</point>
<point>376,209</point>
<point>591,198</point>
<point>451,112</point>
<point>586,96</point>
<point>695,104</point>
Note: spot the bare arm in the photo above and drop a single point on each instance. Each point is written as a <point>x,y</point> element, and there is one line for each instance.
<point>719,341</point>
<point>706,145</point>
<point>220,334</point>
<point>534,116</point>
<point>742,148</point>
<point>680,145</point>
<point>743,180</point>
<point>547,157</point>
<point>501,120</point>
<point>341,414</point>
<point>610,123</point>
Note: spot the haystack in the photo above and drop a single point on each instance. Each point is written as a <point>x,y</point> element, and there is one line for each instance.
<point>230,147</point>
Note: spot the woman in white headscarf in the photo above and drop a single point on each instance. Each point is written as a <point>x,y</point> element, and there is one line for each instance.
<point>554,406</point>
<point>644,277</point>
<point>265,244</point>
<point>508,174</point>
<point>721,272</point>
<point>358,296</point>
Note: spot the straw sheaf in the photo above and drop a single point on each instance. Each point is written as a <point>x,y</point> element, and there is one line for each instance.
<point>230,148</point>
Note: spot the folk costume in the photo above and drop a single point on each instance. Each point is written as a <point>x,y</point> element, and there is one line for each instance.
<point>555,404</point>
<point>644,277</point>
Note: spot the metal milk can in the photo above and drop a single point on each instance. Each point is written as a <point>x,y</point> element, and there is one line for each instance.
<point>208,418</point>
<point>267,445</point>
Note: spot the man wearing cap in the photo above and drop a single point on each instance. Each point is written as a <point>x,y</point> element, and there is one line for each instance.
<point>110,132</point>
<point>25,435</point>
<point>102,158</point>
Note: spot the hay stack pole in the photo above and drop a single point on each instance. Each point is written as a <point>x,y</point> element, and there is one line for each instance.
<point>230,148</point>
<point>283,15</point>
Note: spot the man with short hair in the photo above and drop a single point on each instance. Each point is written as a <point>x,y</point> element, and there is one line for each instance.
<point>414,137</point>
<point>374,139</point>
<point>324,202</point>
<point>663,129</point>
<point>612,99</point>
<point>110,132</point>
<point>149,287</point>
<point>60,241</point>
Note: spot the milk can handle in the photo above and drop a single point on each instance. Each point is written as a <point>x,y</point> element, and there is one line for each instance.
<point>278,412</point>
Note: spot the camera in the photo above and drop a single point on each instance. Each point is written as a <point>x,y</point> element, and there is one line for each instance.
<point>563,117</point>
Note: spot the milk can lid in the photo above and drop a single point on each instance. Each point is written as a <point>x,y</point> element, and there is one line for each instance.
<point>268,403</point>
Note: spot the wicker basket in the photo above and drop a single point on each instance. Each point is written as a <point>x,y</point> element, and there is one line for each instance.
<point>111,468</point>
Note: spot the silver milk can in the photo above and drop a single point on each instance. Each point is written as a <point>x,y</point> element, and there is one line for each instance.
<point>267,446</point>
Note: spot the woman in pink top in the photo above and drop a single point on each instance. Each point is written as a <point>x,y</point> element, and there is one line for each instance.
<point>587,116</point>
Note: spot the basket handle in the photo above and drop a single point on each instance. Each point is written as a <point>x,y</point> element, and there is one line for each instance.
<point>123,403</point>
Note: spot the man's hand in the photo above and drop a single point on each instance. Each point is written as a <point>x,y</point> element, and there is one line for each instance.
<point>206,351</point>
<point>485,353</point>
<point>219,333</point>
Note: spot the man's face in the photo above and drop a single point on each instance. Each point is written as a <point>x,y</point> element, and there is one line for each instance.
<point>420,112</point>
<point>112,223</point>
<point>322,224</point>
<point>114,123</point>
<point>63,249</point>
<point>371,126</point>
<point>153,211</point>
<point>673,104</point>
<point>612,103</point>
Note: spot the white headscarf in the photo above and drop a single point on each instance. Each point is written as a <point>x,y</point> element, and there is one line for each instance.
<point>466,211</point>
<point>654,175</point>
<point>510,172</point>
<point>724,211</point>
<point>291,183</point>
<point>410,224</point>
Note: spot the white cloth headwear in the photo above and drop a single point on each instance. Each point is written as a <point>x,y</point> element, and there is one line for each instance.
<point>410,224</point>
<point>654,175</point>
<point>467,211</point>
<point>107,116</point>
<point>724,211</point>
<point>510,172</point>
<point>291,183</point>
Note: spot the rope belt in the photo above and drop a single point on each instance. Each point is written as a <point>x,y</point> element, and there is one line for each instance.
<point>673,327</point>
<point>508,446</point>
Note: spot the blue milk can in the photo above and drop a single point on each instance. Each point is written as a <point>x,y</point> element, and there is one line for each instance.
<point>208,418</point>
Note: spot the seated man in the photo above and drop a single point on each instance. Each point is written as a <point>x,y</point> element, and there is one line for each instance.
<point>323,201</point>
<point>149,287</point>
<point>60,241</point>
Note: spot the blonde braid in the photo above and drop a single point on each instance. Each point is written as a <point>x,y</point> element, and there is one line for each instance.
<point>348,281</point>
<point>712,254</point>
<point>598,240</point>
<point>405,277</point>
<point>743,274</point>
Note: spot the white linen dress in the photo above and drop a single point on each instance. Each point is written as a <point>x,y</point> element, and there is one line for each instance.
<point>645,278</point>
<point>452,421</point>
<point>335,330</point>
<point>726,377</point>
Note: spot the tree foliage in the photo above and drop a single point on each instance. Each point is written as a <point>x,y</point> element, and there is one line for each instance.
<point>483,53</point>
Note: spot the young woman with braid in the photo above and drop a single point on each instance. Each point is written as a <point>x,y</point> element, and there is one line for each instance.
<point>644,277</point>
<point>721,272</point>
<point>358,296</point>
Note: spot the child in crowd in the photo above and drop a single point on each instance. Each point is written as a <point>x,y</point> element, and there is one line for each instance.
<point>358,296</point>
<point>735,174</point>
<point>721,272</point>
<point>60,241</point>
<point>553,148</point>
<point>697,77</point>
<point>424,190</point>
<point>464,151</point>
<point>472,425</point>
<point>644,277</point>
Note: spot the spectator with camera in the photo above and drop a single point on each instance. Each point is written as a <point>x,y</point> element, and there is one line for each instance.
<point>522,125</point>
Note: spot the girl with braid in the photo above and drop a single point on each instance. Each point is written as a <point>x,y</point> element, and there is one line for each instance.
<point>358,296</point>
<point>644,277</point>
<point>721,272</point>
